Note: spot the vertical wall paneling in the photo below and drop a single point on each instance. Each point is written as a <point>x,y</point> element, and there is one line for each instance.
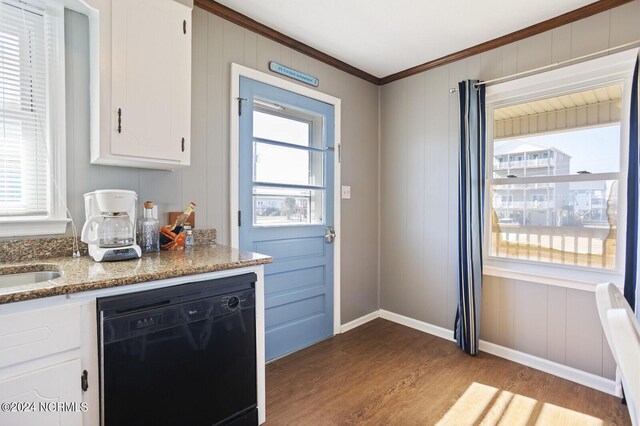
<point>590,34</point>
<point>232,52</point>
<point>561,44</point>
<point>388,225</point>
<point>194,187</point>
<point>556,323</point>
<point>216,44</point>
<point>491,64</point>
<point>393,215</point>
<point>162,187</point>
<point>416,121</point>
<point>530,318</point>
<point>509,59</point>
<point>534,52</point>
<point>79,180</point>
<point>70,123</point>
<point>268,50</point>
<point>584,332</point>
<point>286,56</point>
<point>214,124</point>
<point>507,312</point>
<point>474,65</point>
<point>250,49</point>
<point>385,255</point>
<point>436,147</point>
<point>608,363</point>
<point>624,24</point>
<point>490,318</point>
<point>300,61</point>
<point>550,322</point>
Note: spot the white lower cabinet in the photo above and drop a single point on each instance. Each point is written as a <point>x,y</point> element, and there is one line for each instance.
<point>47,396</point>
<point>40,363</point>
<point>47,345</point>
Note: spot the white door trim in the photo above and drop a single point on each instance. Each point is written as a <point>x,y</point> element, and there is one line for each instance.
<point>238,71</point>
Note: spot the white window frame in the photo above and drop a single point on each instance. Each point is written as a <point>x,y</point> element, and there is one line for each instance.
<point>612,69</point>
<point>56,220</point>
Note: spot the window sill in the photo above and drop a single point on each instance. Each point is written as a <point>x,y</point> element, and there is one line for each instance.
<point>28,227</point>
<point>545,276</point>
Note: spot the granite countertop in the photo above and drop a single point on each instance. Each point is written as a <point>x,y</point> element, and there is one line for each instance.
<point>83,273</point>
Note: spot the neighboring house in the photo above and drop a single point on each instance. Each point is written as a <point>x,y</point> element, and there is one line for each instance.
<point>535,205</point>
<point>266,204</point>
<point>544,204</point>
<point>589,201</point>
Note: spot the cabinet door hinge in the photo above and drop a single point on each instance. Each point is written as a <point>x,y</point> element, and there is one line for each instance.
<point>240,105</point>
<point>84,380</point>
<point>239,218</point>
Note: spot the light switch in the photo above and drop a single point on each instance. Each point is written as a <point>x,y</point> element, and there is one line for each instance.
<point>346,192</point>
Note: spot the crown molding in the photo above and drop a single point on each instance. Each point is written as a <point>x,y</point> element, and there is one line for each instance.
<point>258,28</point>
<point>252,25</point>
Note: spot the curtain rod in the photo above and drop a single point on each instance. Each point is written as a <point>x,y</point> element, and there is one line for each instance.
<point>536,70</point>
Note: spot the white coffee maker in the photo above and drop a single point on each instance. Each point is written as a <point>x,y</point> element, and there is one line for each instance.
<point>110,230</point>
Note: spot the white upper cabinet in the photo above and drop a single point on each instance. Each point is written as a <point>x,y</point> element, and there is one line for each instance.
<point>145,84</point>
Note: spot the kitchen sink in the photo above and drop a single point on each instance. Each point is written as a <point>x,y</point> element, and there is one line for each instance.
<point>26,278</point>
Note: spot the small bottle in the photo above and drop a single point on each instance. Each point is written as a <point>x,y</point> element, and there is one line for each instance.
<point>188,241</point>
<point>149,230</point>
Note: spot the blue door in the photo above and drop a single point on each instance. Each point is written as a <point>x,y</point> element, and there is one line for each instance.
<point>286,210</point>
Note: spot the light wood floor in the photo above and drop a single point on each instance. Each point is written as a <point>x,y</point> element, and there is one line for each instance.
<point>385,373</point>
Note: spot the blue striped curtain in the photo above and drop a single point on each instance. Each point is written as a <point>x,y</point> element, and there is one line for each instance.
<point>631,264</point>
<point>470,208</point>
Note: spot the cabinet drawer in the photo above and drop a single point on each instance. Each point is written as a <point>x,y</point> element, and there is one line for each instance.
<point>36,333</point>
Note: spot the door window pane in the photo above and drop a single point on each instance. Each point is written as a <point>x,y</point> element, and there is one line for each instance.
<point>571,223</point>
<point>287,166</point>
<point>277,206</point>
<point>281,129</point>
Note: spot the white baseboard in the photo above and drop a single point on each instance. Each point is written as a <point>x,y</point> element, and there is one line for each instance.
<point>359,321</point>
<point>569,373</point>
<point>418,325</point>
<point>573,374</point>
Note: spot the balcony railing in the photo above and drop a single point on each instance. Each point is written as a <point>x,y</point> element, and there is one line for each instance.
<point>519,205</point>
<point>591,246</point>
<point>539,162</point>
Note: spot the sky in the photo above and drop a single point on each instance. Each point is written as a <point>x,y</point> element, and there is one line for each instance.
<point>278,164</point>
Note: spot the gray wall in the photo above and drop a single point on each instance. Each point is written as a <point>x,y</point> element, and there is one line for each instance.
<point>419,154</point>
<point>216,44</point>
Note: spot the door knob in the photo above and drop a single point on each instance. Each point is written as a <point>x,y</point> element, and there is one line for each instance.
<point>329,234</point>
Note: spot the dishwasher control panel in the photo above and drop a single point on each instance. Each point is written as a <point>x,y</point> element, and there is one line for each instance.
<point>145,322</point>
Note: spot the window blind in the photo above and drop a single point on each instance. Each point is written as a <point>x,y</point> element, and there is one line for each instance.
<point>24,159</point>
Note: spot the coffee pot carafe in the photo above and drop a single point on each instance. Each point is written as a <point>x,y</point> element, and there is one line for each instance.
<point>110,230</point>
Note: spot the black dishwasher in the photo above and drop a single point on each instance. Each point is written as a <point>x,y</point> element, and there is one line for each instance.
<point>181,355</point>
